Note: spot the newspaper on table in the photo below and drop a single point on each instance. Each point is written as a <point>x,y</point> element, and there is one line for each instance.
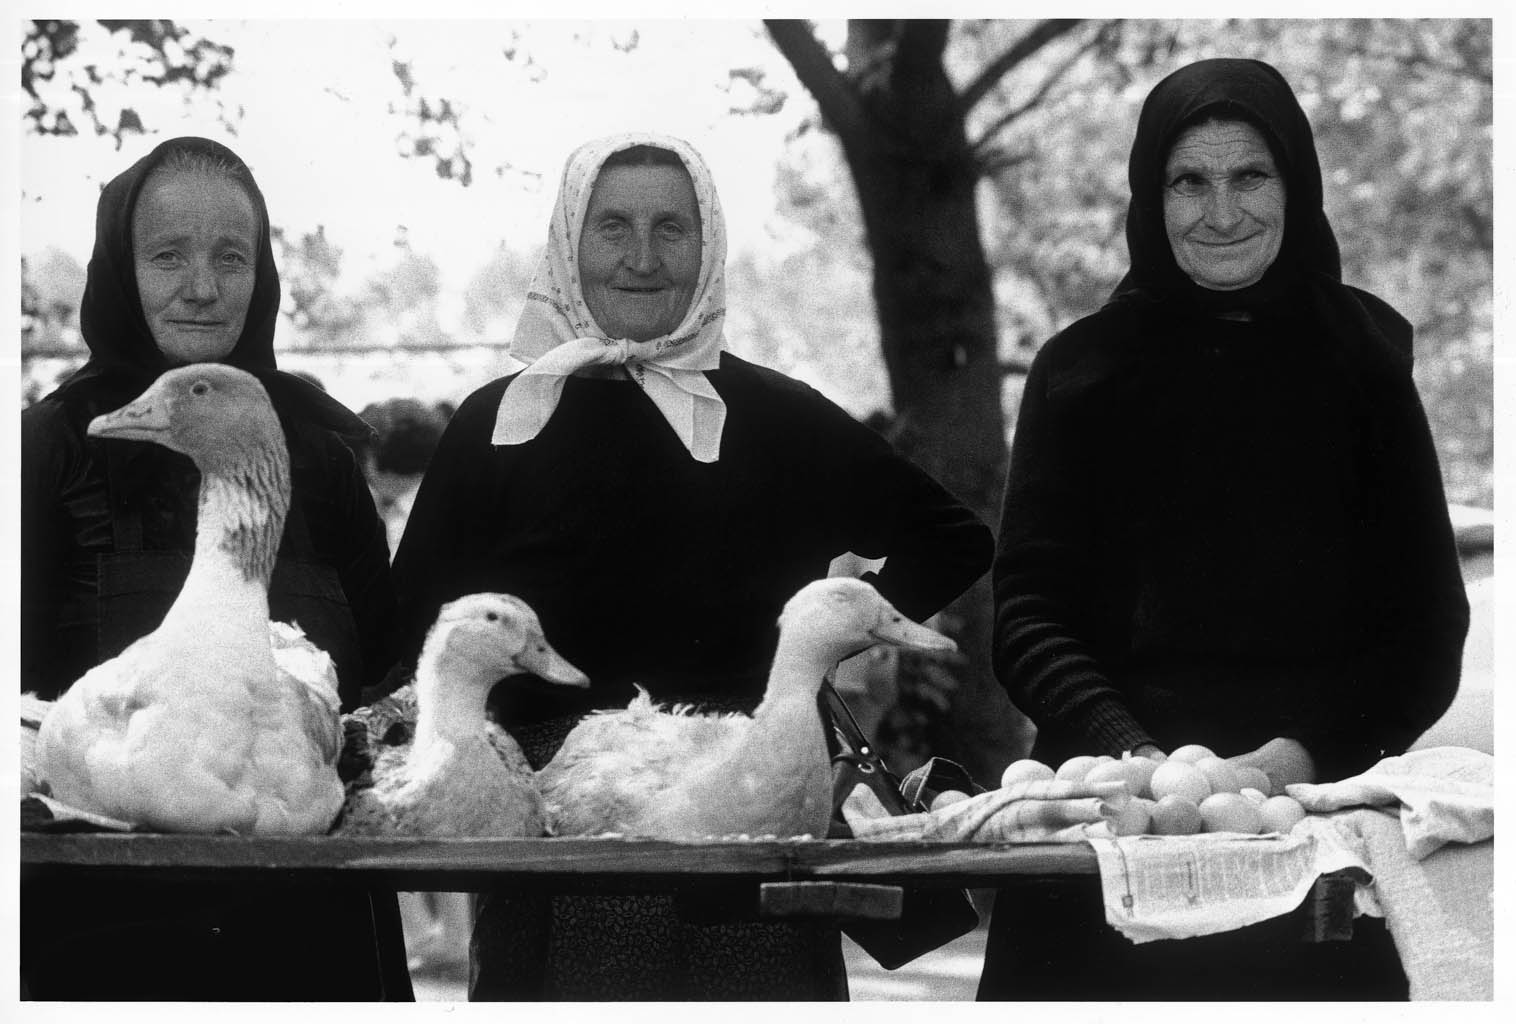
<point>1178,887</point>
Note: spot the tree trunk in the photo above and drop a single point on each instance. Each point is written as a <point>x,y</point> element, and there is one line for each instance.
<point>902,131</point>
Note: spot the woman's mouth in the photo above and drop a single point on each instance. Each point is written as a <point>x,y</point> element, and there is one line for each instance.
<point>1221,243</point>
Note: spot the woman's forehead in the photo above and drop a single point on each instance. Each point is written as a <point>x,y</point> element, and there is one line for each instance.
<point>177,200</point>
<point>660,188</point>
<point>1219,142</point>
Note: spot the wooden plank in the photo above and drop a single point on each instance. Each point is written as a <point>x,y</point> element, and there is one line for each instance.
<point>830,901</point>
<point>448,863</point>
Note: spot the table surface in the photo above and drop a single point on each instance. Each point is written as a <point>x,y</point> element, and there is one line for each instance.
<point>461,863</point>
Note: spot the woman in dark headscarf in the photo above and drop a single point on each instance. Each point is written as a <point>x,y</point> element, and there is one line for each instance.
<point>1224,521</point>
<point>183,272</point>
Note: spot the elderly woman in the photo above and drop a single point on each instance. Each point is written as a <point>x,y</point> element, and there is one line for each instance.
<point>1224,524</point>
<point>183,272</point>
<point>657,499</point>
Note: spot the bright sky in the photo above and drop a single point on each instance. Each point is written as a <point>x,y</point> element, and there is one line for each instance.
<point>317,132</point>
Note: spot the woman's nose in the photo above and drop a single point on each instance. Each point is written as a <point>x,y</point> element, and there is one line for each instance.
<point>642,256</point>
<point>202,285</point>
<point>1222,210</point>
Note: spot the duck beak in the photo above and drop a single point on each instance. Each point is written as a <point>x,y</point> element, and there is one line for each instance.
<point>899,631</point>
<point>545,663</point>
<point>145,419</point>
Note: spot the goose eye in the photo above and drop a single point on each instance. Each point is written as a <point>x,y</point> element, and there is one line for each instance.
<point>492,616</point>
<point>200,387</point>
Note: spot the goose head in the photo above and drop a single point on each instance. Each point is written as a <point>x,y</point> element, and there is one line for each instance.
<point>217,415</point>
<point>835,618</point>
<point>497,635</point>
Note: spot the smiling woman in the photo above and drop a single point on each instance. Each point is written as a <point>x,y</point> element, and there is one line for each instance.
<point>639,252</point>
<point>1223,524</point>
<point>657,500</point>
<point>1223,204</point>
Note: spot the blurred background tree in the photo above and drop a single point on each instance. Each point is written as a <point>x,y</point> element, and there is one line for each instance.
<point>952,194</point>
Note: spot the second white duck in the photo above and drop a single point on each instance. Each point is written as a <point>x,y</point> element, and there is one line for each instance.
<point>669,773</point>
<point>458,774</point>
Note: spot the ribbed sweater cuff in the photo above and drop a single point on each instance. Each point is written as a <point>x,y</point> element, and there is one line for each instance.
<point>1110,728</point>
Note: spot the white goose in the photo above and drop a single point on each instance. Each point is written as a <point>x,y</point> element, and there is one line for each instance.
<point>456,773</point>
<point>218,720</point>
<point>671,774</point>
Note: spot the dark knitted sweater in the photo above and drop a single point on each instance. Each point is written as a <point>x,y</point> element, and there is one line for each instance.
<point>1221,533</point>
<point>647,566</point>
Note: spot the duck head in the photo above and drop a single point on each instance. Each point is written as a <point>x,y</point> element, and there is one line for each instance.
<point>218,415</point>
<point>502,635</point>
<point>839,617</point>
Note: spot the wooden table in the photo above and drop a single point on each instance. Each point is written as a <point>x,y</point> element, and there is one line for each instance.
<point>835,878</point>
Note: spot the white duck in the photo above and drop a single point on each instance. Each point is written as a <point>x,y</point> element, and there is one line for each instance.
<point>456,773</point>
<point>671,774</point>
<point>218,720</point>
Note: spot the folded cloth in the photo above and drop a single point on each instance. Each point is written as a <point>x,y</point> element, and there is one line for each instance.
<point>1439,908</point>
<point>1030,812</point>
<point>1446,794</point>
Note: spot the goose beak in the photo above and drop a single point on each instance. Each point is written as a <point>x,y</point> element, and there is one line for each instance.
<point>899,631</point>
<point>145,419</point>
<point>542,661</point>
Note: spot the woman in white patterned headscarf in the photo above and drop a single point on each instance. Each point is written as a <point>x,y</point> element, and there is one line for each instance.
<point>656,499</point>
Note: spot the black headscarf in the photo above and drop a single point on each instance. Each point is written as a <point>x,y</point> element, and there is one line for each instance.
<point>1305,279</point>
<point>124,358</point>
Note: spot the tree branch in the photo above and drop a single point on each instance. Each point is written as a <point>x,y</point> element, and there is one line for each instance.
<point>813,66</point>
<point>922,41</point>
<point>1418,61</point>
<point>1017,112</point>
<point>1045,32</point>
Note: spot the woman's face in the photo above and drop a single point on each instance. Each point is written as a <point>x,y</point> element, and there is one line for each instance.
<point>639,250</point>
<point>194,247</point>
<point>1223,204</point>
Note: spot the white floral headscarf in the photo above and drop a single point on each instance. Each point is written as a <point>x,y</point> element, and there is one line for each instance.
<point>557,335</point>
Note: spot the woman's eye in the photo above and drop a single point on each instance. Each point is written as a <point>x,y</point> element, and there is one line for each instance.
<point>1250,179</point>
<point>165,260</point>
<point>233,259</point>
<point>612,229</point>
<point>671,230</point>
<point>1188,185</point>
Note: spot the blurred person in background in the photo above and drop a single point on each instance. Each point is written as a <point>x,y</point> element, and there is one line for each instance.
<point>406,433</point>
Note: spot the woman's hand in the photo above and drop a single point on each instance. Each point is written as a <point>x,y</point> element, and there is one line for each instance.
<point>1283,760</point>
<point>1150,751</point>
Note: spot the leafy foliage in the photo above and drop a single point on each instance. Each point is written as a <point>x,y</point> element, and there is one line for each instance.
<point>70,70</point>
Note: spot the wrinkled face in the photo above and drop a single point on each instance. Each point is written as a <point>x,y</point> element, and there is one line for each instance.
<point>1223,204</point>
<point>194,248</point>
<point>639,250</point>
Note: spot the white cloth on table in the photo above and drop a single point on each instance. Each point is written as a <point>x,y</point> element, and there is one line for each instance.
<point>1445,794</point>
<point>1423,824</point>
